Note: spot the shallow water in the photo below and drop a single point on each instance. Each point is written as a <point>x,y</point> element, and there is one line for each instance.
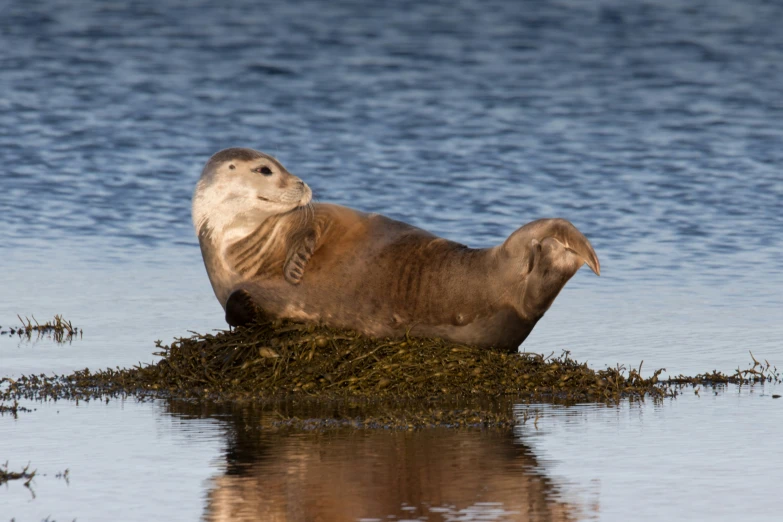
<point>655,127</point>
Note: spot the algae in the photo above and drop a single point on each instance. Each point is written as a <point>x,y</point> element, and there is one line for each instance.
<point>59,328</point>
<point>25,474</point>
<point>406,381</point>
<point>14,409</point>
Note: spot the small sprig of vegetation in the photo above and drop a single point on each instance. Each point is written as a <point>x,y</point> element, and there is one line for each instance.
<point>757,373</point>
<point>25,474</point>
<point>14,409</point>
<point>59,328</point>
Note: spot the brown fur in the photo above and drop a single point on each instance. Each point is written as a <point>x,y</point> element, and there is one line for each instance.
<point>346,268</point>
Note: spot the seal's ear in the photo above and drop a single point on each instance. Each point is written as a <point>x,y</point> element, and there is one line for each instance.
<point>520,243</point>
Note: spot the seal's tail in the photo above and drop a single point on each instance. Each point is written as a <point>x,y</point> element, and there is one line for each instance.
<point>521,241</point>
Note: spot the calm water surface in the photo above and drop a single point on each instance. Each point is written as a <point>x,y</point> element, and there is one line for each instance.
<point>655,127</point>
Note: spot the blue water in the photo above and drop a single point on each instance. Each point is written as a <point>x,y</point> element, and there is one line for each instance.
<point>656,127</point>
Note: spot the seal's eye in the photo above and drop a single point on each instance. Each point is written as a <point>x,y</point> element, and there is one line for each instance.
<point>266,171</point>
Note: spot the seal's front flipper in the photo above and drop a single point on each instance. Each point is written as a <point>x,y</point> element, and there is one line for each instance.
<point>240,309</point>
<point>299,252</point>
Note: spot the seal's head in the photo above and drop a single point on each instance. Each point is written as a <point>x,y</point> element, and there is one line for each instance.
<point>239,188</point>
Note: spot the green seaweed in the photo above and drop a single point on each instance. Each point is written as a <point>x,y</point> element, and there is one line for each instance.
<point>14,409</point>
<point>59,328</point>
<point>272,362</point>
<point>25,474</point>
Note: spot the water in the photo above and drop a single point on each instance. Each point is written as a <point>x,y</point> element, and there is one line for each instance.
<point>654,126</point>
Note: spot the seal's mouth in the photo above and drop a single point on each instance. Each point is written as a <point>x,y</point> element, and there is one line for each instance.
<point>290,199</point>
<point>307,197</point>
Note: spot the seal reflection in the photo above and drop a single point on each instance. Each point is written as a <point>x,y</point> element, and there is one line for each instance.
<point>435,474</point>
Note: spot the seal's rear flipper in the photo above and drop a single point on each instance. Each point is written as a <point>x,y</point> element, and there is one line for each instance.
<point>522,243</point>
<point>240,309</point>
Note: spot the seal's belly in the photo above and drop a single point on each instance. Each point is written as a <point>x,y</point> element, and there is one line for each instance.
<point>503,330</point>
<point>388,300</point>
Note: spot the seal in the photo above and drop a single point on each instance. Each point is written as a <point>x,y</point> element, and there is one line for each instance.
<point>270,251</point>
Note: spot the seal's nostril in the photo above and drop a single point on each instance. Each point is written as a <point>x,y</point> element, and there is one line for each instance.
<point>301,183</point>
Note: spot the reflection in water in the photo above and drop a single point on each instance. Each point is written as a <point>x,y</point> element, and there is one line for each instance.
<point>437,474</point>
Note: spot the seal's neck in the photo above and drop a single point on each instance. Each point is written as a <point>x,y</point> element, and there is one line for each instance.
<point>220,223</point>
<point>226,217</point>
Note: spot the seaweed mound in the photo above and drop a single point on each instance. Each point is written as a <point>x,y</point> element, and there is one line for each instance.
<point>279,359</point>
<point>276,360</point>
<point>364,382</point>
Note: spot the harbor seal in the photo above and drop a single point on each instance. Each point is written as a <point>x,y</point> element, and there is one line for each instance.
<point>269,250</point>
